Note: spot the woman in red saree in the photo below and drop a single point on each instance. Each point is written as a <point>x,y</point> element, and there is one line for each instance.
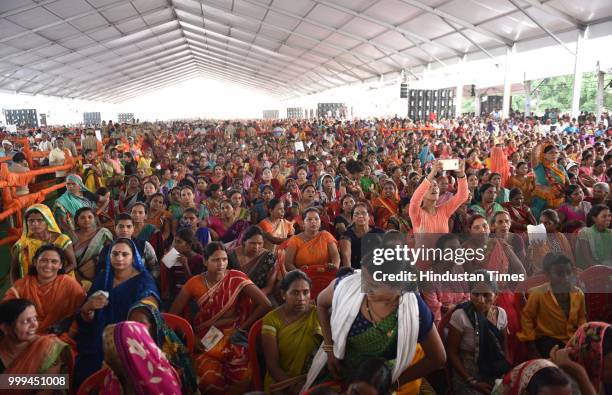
<point>229,303</point>
<point>386,205</point>
<point>22,351</point>
<point>520,213</point>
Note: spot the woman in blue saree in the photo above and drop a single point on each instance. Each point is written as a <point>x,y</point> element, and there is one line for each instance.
<point>124,283</point>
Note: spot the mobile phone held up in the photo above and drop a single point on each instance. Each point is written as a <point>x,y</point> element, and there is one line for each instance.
<point>450,164</point>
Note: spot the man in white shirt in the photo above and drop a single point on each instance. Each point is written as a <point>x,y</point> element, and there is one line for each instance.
<point>45,144</point>
<point>57,156</point>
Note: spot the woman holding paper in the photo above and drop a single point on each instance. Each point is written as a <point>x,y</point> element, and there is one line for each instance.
<point>555,242</point>
<point>229,303</point>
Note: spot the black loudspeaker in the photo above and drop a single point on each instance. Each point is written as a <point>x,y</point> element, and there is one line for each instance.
<point>403,91</point>
<point>422,102</point>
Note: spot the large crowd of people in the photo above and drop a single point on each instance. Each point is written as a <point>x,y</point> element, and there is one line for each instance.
<point>221,257</point>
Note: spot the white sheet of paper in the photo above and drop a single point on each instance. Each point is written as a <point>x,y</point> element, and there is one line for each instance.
<point>536,233</point>
<point>99,135</point>
<point>299,146</point>
<point>169,259</point>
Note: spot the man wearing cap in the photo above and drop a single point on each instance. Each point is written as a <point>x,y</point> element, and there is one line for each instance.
<point>7,149</point>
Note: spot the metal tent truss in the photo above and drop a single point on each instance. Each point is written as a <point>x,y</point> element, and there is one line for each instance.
<point>109,50</point>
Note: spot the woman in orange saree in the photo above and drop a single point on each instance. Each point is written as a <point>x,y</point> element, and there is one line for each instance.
<point>229,303</point>
<point>386,206</point>
<point>22,351</point>
<point>56,296</point>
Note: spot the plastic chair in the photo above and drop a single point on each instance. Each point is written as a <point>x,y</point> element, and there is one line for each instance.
<point>597,278</point>
<point>95,382</point>
<point>531,282</point>
<point>320,277</point>
<point>175,322</point>
<point>256,359</point>
<point>597,282</point>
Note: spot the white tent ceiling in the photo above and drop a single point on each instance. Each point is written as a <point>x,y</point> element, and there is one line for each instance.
<point>111,50</point>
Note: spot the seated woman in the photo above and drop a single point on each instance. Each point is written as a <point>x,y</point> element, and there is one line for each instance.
<point>386,205</point>
<point>260,209</point>
<point>402,222</point>
<point>39,228</point>
<point>188,264</point>
<point>276,229</point>
<point>75,197</point>
<point>522,181</point>
<point>158,216</point>
<point>237,200</point>
<point>556,242</point>
<point>442,297</point>
<point>350,241</point>
<point>520,213</point>
<point>312,247</point>
<point>290,336</point>
<point>574,211</point>
<point>534,377</point>
<point>554,310</point>
<point>500,224</point>
<point>135,363</point>
<point>389,321</point>
<point>251,258</point>
<point>308,200</point>
<point>476,339</point>
<point>487,205</point>
<point>88,241</point>
<point>594,243</point>
<point>591,347</point>
<point>123,283</point>
<point>187,200</point>
<point>229,303</point>
<point>145,231</point>
<point>56,297</point>
<point>22,350</point>
<point>344,218</point>
<point>131,194</point>
<point>228,227</point>
<point>168,342</point>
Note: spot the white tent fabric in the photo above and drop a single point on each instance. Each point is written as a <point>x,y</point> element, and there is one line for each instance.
<point>109,50</point>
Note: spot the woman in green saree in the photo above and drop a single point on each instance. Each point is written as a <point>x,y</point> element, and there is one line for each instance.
<point>76,196</point>
<point>145,231</point>
<point>594,244</point>
<point>88,241</point>
<point>363,318</point>
<point>290,336</point>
